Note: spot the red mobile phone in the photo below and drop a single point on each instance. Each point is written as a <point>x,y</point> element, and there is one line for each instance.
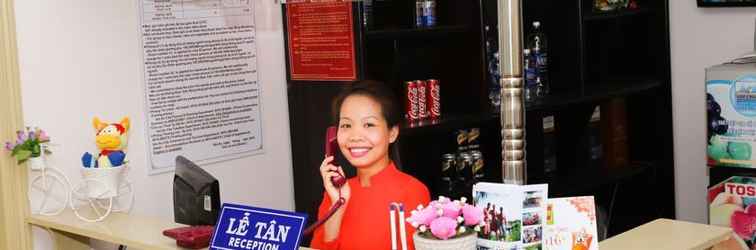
<point>331,147</point>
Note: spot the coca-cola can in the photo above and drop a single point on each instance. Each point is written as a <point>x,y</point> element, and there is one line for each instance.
<point>422,102</point>
<point>433,98</point>
<point>410,100</point>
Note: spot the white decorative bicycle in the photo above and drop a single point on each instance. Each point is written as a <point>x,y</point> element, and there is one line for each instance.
<point>49,191</point>
<point>103,190</point>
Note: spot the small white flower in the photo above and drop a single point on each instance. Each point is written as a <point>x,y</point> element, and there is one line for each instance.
<point>420,207</point>
<point>441,197</point>
<point>463,199</point>
<point>462,230</point>
<point>460,219</point>
<point>423,228</point>
<point>477,228</point>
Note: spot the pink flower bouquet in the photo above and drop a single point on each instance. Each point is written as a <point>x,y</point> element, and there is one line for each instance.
<point>446,219</point>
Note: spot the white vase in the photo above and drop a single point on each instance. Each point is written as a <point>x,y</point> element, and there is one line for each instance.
<point>36,163</point>
<point>467,242</point>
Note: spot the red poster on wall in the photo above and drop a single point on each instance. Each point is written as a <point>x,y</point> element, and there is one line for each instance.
<point>321,41</point>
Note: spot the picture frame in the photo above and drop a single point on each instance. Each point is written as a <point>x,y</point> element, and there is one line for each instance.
<point>726,3</point>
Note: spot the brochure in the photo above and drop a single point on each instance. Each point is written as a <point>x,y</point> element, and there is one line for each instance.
<point>513,215</point>
<point>571,224</point>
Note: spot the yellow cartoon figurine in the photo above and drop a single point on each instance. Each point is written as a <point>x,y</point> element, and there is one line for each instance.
<point>111,140</point>
<point>581,240</point>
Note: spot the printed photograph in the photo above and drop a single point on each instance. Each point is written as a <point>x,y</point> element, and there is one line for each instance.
<point>532,234</point>
<point>531,218</point>
<point>498,223</point>
<point>533,199</point>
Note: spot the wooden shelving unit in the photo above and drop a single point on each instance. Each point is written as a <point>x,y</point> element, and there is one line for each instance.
<point>593,58</point>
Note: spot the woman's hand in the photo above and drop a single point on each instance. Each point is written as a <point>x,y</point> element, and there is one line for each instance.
<point>327,171</point>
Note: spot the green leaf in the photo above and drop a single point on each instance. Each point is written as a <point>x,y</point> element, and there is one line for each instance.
<point>22,155</point>
<point>35,150</point>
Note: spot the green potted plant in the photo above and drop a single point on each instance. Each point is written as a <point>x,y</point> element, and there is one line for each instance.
<point>30,144</point>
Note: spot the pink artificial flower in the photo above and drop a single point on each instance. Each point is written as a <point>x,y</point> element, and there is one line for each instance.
<point>443,227</point>
<point>473,215</point>
<point>43,136</point>
<point>9,146</point>
<point>451,210</point>
<point>441,201</point>
<point>424,216</point>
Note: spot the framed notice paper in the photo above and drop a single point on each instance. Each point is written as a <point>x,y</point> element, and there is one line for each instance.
<point>321,41</point>
<point>200,72</point>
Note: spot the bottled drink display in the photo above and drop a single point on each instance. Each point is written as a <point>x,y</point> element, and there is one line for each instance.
<point>429,13</point>
<point>530,76</point>
<point>462,169</point>
<point>537,62</point>
<point>419,7</point>
<point>422,100</point>
<point>425,13</point>
<point>477,166</point>
<point>367,12</point>
<point>448,173</point>
<point>540,88</point>
<point>492,66</point>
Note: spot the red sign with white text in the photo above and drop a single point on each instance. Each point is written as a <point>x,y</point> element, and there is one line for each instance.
<point>321,41</point>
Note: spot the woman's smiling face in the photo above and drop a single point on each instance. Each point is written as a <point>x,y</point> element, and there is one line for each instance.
<point>364,135</point>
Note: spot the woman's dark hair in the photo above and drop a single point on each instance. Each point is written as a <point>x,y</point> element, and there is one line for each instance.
<point>377,91</point>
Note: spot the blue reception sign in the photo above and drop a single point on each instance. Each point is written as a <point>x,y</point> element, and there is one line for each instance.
<point>244,227</point>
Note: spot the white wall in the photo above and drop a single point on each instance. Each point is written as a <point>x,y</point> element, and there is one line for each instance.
<point>700,37</point>
<point>82,58</point>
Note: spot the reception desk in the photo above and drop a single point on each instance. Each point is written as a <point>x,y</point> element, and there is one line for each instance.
<point>668,234</point>
<point>140,232</point>
<point>136,232</point>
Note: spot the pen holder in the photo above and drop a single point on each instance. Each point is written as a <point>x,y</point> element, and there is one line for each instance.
<point>103,183</point>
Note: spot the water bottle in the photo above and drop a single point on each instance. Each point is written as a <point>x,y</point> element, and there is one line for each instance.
<point>537,43</point>
<point>531,74</point>
<point>540,89</point>
<point>419,7</point>
<point>367,13</point>
<point>429,13</point>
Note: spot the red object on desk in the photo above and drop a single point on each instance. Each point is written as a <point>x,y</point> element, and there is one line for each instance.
<point>193,237</point>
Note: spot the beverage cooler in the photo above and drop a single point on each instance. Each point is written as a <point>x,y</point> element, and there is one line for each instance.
<point>731,135</point>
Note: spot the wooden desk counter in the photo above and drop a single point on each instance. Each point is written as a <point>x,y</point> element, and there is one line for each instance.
<point>668,234</point>
<point>135,231</point>
<point>124,229</point>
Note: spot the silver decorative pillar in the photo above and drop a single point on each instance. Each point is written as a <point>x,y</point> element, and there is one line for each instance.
<point>512,106</point>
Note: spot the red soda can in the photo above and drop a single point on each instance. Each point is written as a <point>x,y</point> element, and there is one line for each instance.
<point>422,101</point>
<point>434,98</point>
<point>411,99</point>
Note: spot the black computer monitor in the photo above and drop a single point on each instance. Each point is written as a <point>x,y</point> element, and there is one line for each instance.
<point>196,194</point>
